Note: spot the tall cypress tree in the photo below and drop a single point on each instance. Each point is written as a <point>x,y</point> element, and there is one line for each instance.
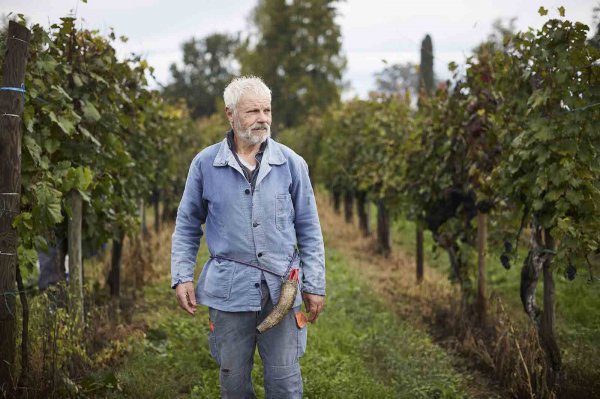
<point>595,40</point>
<point>427,79</point>
<point>296,48</point>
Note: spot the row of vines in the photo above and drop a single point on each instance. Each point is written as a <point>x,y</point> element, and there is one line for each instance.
<point>94,134</point>
<point>511,142</point>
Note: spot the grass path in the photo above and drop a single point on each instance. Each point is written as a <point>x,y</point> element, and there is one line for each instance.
<point>358,349</point>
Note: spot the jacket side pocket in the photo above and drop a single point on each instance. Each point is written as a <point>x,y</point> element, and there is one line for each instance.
<point>219,277</point>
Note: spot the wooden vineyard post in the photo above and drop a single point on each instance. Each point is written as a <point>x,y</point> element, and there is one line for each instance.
<point>336,198</point>
<point>419,253</point>
<point>144,227</point>
<point>139,253</point>
<point>383,229</point>
<point>11,110</point>
<point>348,202</point>
<point>75,261</point>
<point>156,203</point>
<point>481,248</point>
<point>363,215</point>
<point>547,325</point>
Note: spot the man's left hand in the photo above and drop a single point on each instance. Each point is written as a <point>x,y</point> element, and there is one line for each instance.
<point>314,305</point>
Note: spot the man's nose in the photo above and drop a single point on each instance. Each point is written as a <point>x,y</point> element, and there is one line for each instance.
<point>263,117</point>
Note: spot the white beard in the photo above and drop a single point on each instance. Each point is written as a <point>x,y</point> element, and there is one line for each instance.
<point>257,137</point>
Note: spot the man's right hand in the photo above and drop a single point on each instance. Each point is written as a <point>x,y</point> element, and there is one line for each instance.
<point>186,297</point>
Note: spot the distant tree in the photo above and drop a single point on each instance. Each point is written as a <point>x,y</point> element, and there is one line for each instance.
<point>208,66</point>
<point>427,79</point>
<point>398,78</point>
<point>501,32</point>
<point>595,40</point>
<point>295,46</point>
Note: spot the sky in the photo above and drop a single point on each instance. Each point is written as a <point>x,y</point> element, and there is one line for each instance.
<point>373,31</point>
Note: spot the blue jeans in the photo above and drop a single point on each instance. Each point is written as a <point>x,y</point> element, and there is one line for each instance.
<point>233,342</point>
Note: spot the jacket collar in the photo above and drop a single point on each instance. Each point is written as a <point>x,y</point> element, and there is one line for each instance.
<point>273,155</point>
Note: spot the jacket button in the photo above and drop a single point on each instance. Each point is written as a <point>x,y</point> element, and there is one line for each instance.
<point>259,254</point>
<point>256,285</point>
<point>247,191</point>
<point>255,224</point>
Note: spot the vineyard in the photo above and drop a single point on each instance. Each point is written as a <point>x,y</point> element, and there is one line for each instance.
<point>460,217</point>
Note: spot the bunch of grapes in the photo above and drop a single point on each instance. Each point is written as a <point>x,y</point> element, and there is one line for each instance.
<point>505,257</point>
<point>571,272</point>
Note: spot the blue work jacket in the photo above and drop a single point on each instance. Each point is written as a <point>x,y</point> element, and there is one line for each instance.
<point>263,228</point>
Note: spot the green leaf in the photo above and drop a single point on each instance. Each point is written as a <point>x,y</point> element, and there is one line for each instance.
<point>40,242</point>
<point>538,97</point>
<point>537,204</point>
<point>33,148</point>
<point>62,91</point>
<point>23,219</point>
<point>48,204</point>
<point>27,256</point>
<point>79,178</point>
<point>553,195</point>
<point>574,197</point>
<point>542,11</point>
<point>90,112</point>
<point>51,145</point>
<point>561,11</point>
<point>77,80</point>
<point>65,125</point>
<point>86,133</point>
<point>543,133</point>
<point>48,66</point>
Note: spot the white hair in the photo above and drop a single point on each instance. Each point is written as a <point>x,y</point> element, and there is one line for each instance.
<point>244,85</point>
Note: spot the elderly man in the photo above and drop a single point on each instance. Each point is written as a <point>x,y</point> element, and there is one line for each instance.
<point>256,201</point>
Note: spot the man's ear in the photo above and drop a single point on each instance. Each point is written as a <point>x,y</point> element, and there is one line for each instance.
<point>229,114</point>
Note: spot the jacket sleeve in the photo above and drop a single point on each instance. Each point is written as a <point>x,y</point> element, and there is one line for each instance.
<point>191,214</point>
<point>308,231</point>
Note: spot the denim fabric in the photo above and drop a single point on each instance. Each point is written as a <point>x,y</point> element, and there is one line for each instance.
<point>234,340</point>
<point>262,228</point>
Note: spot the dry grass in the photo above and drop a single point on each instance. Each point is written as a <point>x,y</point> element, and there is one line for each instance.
<point>149,260</point>
<point>62,355</point>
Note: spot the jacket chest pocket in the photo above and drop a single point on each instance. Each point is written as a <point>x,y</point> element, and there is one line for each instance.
<point>284,211</point>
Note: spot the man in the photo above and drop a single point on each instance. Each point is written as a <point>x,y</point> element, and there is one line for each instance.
<point>256,201</point>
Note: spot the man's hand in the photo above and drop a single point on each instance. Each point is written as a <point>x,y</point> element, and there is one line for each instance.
<point>314,305</point>
<point>186,297</point>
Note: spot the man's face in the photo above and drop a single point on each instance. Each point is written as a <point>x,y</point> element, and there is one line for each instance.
<point>251,120</point>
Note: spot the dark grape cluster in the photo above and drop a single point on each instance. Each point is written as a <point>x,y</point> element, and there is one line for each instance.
<point>453,201</point>
<point>505,261</point>
<point>571,272</point>
<point>505,257</point>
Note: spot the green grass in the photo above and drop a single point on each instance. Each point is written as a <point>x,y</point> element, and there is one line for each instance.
<point>357,349</point>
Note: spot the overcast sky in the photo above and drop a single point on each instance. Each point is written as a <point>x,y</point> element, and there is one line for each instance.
<point>373,30</point>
